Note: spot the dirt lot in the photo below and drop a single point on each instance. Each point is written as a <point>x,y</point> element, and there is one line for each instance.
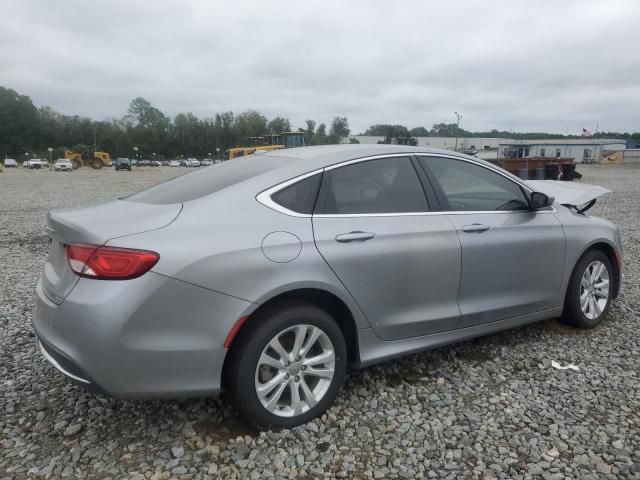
<point>489,408</point>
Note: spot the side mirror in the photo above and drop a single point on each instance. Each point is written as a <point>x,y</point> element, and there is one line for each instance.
<point>540,200</point>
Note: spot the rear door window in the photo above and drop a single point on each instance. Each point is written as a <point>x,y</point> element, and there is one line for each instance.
<point>385,185</point>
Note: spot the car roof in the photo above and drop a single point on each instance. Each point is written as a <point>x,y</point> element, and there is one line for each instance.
<point>324,155</point>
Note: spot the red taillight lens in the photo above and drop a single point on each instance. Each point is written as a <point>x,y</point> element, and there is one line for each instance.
<point>109,263</point>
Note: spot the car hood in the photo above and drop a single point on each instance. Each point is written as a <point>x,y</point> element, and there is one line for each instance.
<point>568,193</point>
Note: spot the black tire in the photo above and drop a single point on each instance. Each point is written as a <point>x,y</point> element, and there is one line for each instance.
<point>248,347</point>
<point>573,314</point>
<point>96,164</point>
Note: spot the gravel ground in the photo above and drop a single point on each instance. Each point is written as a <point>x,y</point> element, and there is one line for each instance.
<point>488,408</point>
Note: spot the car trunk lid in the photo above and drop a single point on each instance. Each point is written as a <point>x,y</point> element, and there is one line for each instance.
<point>95,225</point>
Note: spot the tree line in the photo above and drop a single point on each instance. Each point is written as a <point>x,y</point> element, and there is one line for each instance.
<point>453,130</point>
<point>27,129</point>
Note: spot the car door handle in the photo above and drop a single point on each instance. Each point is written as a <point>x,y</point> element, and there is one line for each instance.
<point>354,237</point>
<point>475,228</point>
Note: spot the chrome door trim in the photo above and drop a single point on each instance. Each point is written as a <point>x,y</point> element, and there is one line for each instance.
<point>265,199</point>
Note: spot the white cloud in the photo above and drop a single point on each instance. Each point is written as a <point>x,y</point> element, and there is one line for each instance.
<point>543,65</point>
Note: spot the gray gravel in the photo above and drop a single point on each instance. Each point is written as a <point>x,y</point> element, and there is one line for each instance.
<point>488,408</point>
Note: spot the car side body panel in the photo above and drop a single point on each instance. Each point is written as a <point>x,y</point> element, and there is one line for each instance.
<point>405,278</point>
<point>513,268</point>
<point>143,338</point>
<point>583,232</point>
<point>209,239</point>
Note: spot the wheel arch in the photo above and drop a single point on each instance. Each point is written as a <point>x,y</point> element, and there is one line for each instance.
<point>610,251</point>
<point>327,301</point>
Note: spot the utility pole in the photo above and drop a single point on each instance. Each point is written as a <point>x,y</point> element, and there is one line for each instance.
<point>458,118</point>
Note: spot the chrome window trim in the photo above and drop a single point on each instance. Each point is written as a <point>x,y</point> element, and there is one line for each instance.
<point>265,199</point>
<point>490,167</point>
<point>425,214</point>
<point>365,159</point>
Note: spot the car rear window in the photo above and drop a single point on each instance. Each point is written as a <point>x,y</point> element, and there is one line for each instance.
<point>207,181</point>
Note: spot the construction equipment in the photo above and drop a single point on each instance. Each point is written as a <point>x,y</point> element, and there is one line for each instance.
<point>268,143</point>
<point>88,156</point>
<point>400,141</point>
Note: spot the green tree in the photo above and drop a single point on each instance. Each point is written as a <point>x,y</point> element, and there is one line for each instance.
<point>419,132</point>
<point>19,122</point>
<point>321,135</point>
<point>141,113</point>
<point>385,130</point>
<point>339,129</point>
<point>279,125</point>
<point>250,124</point>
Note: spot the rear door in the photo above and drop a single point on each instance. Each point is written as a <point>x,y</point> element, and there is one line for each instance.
<point>400,263</point>
<point>512,257</point>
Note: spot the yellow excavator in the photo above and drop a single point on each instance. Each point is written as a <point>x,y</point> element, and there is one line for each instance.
<point>267,143</point>
<point>88,157</point>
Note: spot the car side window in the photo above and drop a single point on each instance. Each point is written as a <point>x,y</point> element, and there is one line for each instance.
<point>385,185</point>
<point>299,197</point>
<point>470,187</point>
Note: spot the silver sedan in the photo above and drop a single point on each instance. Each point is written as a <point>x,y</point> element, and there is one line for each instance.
<point>269,275</point>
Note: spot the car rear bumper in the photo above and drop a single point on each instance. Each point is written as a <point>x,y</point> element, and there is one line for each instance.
<point>150,337</point>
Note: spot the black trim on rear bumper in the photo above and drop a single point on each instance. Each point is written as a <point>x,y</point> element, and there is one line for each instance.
<point>68,367</point>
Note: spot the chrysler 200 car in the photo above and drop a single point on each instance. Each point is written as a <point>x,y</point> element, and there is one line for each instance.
<point>270,274</point>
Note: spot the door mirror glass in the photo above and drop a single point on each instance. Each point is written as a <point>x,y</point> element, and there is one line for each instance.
<point>540,200</point>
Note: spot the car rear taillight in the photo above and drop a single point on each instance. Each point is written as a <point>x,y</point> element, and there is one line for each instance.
<point>109,263</point>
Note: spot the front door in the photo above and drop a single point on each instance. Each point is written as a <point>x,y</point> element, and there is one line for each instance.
<point>399,262</point>
<point>512,257</point>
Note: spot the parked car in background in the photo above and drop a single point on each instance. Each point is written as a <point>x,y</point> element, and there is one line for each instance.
<point>123,163</point>
<point>193,162</point>
<point>62,165</point>
<point>206,162</point>
<point>174,163</point>
<point>165,163</point>
<point>10,163</point>
<point>35,163</point>
<point>325,257</point>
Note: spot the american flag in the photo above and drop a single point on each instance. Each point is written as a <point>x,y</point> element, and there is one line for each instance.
<point>586,133</point>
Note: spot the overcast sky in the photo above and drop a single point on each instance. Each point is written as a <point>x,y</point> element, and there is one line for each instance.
<point>520,65</point>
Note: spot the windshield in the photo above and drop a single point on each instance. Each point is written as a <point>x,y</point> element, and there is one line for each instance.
<point>210,180</point>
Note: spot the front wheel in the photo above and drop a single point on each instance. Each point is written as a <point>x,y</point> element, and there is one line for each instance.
<point>288,367</point>
<point>589,292</point>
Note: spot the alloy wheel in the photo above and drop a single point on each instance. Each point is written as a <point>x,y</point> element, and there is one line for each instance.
<point>295,370</point>
<point>594,290</point>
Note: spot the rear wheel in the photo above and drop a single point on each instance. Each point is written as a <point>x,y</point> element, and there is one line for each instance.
<point>288,367</point>
<point>589,292</point>
<point>76,164</point>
